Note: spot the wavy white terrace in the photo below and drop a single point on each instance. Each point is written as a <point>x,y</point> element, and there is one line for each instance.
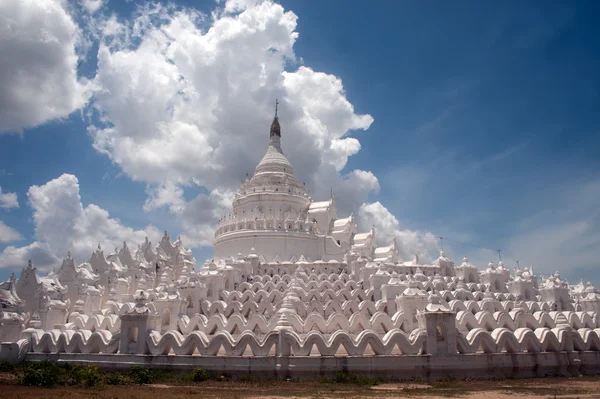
<point>291,281</point>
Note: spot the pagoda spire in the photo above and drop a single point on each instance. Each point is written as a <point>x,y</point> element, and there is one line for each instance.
<point>275,128</point>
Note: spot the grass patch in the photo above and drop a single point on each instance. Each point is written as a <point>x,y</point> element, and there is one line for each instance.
<point>50,374</point>
<point>6,367</point>
<point>74,383</point>
<point>88,376</point>
<point>45,374</point>
<point>444,382</point>
<point>355,379</point>
<point>116,379</point>
<point>69,378</point>
<point>141,375</point>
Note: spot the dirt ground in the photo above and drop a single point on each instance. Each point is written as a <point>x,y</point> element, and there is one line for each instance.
<point>563,388</point>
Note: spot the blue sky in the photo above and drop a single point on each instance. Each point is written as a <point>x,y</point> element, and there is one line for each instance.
<point>485,125</point>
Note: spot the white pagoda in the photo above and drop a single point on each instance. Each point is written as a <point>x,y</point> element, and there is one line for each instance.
<point>295,291</point>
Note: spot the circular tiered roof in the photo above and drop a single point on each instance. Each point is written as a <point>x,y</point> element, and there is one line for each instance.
<point>274,173</point>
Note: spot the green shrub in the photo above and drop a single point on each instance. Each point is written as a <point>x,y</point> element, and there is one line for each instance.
<point>88,376</point>
<point>159,375</point>
<point>342,378</point>
<point>6,367</point>
<point>200,375</point>
<point>35,377</point>
<point>44,374</point>
<point>49,374</point>
<point>141,375</point>
<point>116,379</point>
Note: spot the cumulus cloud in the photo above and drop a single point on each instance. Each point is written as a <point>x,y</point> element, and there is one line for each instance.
<point>38,67</point>
<point>387,228</point>
<point>198,217</point>
<point>201,215</point>
<point>182,101</point>
<point>8,200</point>
<point>62,223</point>
<point>166,194</point>
<point>92,5</point>
<point>40,254</point>
<point>233,6</point>
<point>190,103</point>
<point>8,234</point>
<point>351,189</point>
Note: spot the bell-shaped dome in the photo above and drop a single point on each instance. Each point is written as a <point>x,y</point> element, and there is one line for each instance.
<point>274,172</point>
<point>274,161</point>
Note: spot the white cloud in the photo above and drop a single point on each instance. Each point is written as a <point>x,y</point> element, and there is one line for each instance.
<point>188,106</point>
<point>167,194</point>
<point>92,5</point>
<point>200,216</point>
<point>8,200</point>
<point>232,6</point>
<point>40,254</point>
<point>62,223</point>
<point>8,234</point>
<point>38,67</point>
<point>351,190</point>
<point>387,228</point>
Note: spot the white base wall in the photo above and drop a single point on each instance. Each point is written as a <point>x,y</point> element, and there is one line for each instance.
<point>497,365</point>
